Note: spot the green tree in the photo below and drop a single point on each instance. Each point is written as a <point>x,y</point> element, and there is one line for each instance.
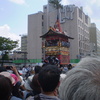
<point>5,56</point>
<point>56,4</point>
<point>6,45</point>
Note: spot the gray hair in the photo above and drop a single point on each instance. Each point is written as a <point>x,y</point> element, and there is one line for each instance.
<point>83,81</point>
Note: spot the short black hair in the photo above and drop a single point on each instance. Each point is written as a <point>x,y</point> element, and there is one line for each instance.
<point>37,69</point>
<point>34,85</point>
<point>5,88</point>
<point>49,77</point>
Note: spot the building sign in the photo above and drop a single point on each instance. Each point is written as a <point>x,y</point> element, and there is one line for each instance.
<point>67,13</point>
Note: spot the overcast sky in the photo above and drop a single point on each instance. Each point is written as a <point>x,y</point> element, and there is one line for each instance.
<point>14,14</point>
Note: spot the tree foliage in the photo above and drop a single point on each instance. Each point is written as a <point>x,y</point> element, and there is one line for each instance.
<point>56,3</point>
<point>7,44</point>
<point>5,56</point>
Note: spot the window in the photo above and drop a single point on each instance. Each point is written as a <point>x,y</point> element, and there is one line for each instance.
<point>86,19</point>
<point>80,13</point>
<point>42,23</point>
<point>42,17</point>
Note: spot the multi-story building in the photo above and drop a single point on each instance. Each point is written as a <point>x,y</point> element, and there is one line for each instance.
<point>24,46</point>
<point>21,54</point>
<point>24,43</point>
<point>73,21</point>
<point>76,23</point>
<point>34,43</point>
<point>94,39</point>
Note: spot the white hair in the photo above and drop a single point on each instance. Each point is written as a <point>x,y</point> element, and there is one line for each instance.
<point>83,81</point>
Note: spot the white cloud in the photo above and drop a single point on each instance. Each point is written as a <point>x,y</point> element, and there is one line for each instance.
<point>18,1</point>
<point>88,10</point>
<point>45,0</point>
<point>97,22</point>
<point>93,1</point>
<point>5,32</point>
<point>65,2</point>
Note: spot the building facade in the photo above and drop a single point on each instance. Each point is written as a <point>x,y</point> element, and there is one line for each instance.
<point>34,42</point>
<point>24,46</point>
<point>24,43</point>
<point>73,21</point>
<point>76,23</point>
<point>94,39</point>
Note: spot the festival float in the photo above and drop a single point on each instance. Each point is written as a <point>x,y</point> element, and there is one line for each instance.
<point>56,43</point>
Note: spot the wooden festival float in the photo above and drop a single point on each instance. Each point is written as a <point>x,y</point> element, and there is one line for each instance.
<point>56,43</point>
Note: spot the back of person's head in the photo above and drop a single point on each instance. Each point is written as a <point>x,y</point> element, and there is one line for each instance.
<point>83,81</point>
<point>5,88</point>
<point>37,69</point>
<point>35,85</point>
<point>49,77</point>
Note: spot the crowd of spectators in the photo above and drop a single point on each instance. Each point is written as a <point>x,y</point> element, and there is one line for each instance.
<point>52,83</point>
